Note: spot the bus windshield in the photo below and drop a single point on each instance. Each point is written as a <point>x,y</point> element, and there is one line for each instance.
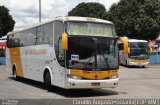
<point>90,49</point>
<point>139,49</point>
<point>138,45</point>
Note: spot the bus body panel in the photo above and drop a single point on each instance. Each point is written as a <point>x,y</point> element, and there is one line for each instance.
<point>33,66</point>
<point>8,62</point>
<point>34,60</point>
<point>133,62</point>
<point>80,84</point>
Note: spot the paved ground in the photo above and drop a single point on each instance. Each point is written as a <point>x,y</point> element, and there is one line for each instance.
<point>134,83</point>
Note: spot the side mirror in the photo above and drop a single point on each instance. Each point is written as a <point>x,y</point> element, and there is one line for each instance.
<point>129,50</point>
<point>64,41</point>
<point>150,50</point>
<point>116,39</point>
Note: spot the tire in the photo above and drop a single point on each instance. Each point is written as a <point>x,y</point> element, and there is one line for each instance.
<point>15,74</point>
<point>144,66</point>
<point>126,64</point>
<point>47,81</point>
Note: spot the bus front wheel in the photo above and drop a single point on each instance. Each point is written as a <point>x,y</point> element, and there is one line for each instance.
<point>144,66</point>
<point>126,63</point>
<point>15,74</point>
<point>47,81</point>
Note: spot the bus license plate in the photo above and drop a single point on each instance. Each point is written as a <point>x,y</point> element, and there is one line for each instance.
<point>95,84</point>
<point>139,64</point>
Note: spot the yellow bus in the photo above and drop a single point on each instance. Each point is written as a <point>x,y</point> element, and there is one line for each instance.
<point>68,52</point>
<point>133,52</point>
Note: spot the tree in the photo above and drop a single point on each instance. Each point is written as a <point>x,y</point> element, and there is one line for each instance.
<point>138,19</point>
<point>95,10</point>
<point>6,21</point>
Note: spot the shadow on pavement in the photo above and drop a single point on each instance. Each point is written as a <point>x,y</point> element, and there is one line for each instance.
<point>134,67</point>
<point>71,93</point>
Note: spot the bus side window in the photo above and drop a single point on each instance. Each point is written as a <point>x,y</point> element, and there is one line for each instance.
<point>30,37</point>
<point>48,34</point>
<point>39,38</point>
<point>23,41</point>
<point>58,30</point>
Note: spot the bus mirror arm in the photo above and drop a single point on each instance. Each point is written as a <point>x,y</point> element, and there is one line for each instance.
<point>129,50</point>
<point>116,39</point>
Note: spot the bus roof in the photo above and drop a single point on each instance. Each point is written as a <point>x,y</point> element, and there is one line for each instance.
<point>126,39</point>
<point>67,18</point>
<point>136,40</point>
<point>76,18</point>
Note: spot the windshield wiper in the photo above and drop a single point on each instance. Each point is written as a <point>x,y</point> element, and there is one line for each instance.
<point>105,58</point>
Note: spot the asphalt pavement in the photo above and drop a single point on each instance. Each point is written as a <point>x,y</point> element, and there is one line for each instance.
<point>134,83</point>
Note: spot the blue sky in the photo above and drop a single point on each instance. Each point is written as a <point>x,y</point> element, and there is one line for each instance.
<point>25,12</point>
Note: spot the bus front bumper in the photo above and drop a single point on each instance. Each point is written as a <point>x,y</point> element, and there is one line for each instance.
<point>86,84</point>
<point>138,64</point>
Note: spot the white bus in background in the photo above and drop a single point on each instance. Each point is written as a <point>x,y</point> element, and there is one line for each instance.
<point>133,52</point>
<point>68,52</point>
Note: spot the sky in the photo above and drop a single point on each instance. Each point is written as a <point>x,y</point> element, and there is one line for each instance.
<point>26,12</point>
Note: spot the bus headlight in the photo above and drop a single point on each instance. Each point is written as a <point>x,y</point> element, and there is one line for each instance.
<point>113,77</point>
<point>74,77</point>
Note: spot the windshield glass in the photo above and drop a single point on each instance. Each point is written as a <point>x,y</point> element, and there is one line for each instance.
<point>90,29</point>
<point>139,50</point>
<point>138,45</point>
<point>92,53</point>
